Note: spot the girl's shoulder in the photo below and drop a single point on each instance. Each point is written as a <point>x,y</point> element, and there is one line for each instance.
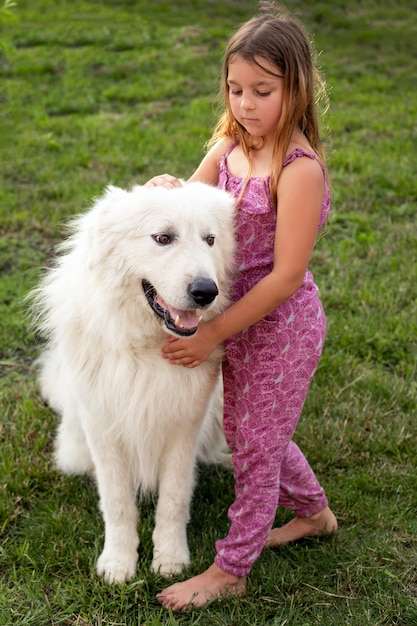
<point>208,170</point>
<point>222,148</point>
<point>312,171</point>
<point>298,152</point>
<point>310,163</point>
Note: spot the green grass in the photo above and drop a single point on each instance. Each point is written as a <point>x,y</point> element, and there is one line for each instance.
<point>95,92</point>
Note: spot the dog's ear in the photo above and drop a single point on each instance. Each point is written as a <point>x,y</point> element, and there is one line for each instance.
<point>98,226</point>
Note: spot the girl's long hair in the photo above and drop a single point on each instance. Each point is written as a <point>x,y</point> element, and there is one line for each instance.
<point>278,37</point>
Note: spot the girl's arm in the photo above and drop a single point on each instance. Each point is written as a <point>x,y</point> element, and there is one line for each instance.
<point>300,196</point>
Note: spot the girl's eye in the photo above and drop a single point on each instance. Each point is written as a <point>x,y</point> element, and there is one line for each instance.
<point>237,92</point>
<point>163,239</point>
<point>210,240</point>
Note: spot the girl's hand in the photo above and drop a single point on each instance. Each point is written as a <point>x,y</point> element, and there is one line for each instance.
<point>164,180</point>
<point>192,351</point>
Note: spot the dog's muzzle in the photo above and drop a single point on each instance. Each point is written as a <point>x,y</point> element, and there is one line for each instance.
<point>182,322</point>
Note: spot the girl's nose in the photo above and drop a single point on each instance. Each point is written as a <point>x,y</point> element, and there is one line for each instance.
<point>247,103</point>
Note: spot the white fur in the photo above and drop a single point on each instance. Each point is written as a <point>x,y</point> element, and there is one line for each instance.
<point>128,417</point>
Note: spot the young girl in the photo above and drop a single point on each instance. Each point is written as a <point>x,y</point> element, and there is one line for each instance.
<point>267,153</point>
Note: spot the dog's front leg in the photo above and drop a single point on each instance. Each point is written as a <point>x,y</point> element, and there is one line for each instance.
<point>117,562</point>
<point>176,483</point>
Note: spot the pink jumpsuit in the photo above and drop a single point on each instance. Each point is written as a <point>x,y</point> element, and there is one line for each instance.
<point>266,376</point>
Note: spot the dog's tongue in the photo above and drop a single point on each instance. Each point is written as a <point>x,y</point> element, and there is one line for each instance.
<point>182,319</point>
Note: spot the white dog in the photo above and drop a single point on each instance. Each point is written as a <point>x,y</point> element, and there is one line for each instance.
<point>139,264</point>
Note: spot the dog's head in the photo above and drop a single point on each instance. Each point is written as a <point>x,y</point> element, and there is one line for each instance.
<point>170,251</point>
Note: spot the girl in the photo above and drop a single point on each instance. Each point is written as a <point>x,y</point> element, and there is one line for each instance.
<point>266,151</point>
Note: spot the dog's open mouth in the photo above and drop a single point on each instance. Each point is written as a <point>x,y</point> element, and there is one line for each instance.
<point>181,322</point>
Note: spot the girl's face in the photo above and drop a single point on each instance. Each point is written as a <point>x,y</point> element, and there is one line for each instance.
<point>255,95</point>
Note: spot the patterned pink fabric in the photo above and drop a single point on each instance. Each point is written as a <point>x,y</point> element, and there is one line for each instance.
<point>266,376</point>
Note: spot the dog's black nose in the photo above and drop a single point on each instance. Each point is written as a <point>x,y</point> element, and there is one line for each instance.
<point>203,291</point>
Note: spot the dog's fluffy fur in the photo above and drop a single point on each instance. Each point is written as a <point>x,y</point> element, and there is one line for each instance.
<point>139,264</point>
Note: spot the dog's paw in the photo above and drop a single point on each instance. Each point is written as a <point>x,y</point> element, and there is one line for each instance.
<point>115,568</point>
<point>167,566</point>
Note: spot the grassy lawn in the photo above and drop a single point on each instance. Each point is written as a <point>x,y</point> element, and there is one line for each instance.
<point>94,92</point>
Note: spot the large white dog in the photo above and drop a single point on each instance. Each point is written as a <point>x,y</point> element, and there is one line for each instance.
<point>139,264</point>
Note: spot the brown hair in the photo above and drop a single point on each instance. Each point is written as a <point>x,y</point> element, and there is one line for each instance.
<point>278,37</point>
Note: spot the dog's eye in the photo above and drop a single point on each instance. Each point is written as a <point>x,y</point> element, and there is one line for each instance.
<point>210,240</point>
<point>162,239</point>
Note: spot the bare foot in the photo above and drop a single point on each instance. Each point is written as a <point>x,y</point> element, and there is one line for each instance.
<point>318,525</point>
<point>197,591</point>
